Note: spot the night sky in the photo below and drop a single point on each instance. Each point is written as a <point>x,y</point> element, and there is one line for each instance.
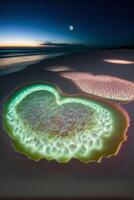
<point>96,23</point>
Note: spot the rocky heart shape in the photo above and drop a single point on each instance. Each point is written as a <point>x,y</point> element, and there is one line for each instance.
<point>45,123</point>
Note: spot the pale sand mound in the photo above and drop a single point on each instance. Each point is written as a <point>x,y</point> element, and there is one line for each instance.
<point>101,85</point>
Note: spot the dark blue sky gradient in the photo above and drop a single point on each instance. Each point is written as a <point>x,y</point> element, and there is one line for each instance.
<point>97,23</point>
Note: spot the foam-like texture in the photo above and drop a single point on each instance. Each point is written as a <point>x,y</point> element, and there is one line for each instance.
<point>101,85</point>
<point>45,123</point>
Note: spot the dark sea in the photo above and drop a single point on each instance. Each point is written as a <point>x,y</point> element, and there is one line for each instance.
<point>29,51</point>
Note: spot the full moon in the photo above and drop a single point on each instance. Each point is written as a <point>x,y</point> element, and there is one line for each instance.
<point>71,28</point>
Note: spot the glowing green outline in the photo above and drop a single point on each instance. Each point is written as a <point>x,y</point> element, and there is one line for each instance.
<point>118,130</point>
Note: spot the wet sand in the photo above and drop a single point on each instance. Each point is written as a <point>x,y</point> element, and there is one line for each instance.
<point>113,177</point>
<point>13,64</point>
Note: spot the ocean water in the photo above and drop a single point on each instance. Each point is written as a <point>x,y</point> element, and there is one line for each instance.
<point>28,51</point>
<point>16,59</point>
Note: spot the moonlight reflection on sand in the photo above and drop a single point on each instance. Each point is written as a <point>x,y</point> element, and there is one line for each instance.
<point>102,85</point>
<point>59,68</point>
<point>45,123</point>
<point>119,61</point>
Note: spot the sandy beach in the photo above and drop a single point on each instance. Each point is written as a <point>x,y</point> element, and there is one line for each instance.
<point>92,62</point>
<point>113,175</point>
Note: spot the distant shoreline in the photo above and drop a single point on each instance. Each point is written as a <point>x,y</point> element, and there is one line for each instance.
<point>17,63</point>
<point>13,64</point>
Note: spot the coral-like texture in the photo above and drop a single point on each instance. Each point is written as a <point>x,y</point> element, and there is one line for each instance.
<point>104,86</point>
<point>45,123</point>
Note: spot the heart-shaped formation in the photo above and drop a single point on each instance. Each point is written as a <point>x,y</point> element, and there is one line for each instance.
<point>43,123</point>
